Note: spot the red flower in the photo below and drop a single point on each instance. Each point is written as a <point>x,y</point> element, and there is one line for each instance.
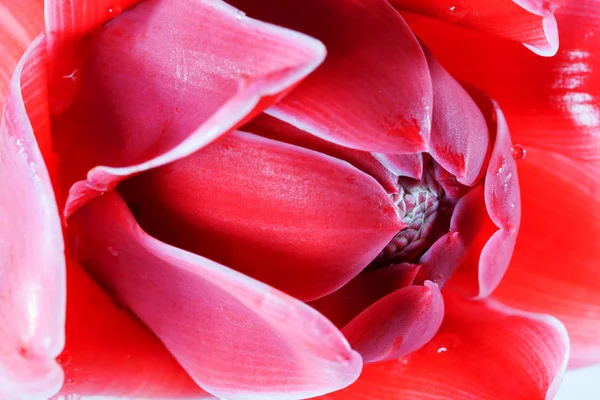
<point>268,199</point>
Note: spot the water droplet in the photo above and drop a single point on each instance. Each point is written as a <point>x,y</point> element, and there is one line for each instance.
<point>112,251</point>
<point>518,152</point>
<point>239,15</point>
<point>73,76</point>
<point>452,8</point>
<point>442,350</point>
<point>114,10</point>
<point>70,380</point>
<point>65,358</point>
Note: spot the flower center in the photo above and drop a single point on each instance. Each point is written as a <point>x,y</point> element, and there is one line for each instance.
<point>419,203</point>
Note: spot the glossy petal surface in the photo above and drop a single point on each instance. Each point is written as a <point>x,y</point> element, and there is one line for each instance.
<point>525,358</point>
<point>146,94</point>
<point>32,274</point>
<point>354,99</point>
<point>256,341</point>
<point>277,212</point>
<point>398,324</point>
<point>410,165</point>
<point>109,352</point>
<point>531,22</point>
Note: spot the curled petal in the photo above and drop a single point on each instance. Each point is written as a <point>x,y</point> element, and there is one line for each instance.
<point>398,324</point>
<point>147,95</point>
<point>354,297</point>
<point>109,352</point>
<point>409,165</point>
<point>277,212</point>
<point>530,22</point>
<point>32,264</point>
<point>354,99</point>
<point>235,336</point>
<point>525,358</point>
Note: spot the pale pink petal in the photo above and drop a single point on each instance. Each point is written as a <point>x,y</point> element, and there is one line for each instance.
<point>484,350</point>
<point>32,265</point>
<point>277,212</point>
<point>354,99</point>
<point>235,336</point>
<point>398,324</point>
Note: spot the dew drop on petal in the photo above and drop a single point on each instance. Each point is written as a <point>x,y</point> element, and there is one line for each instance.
<point>442,350</point>
<point>114,11</point>
<point>70,380</point>
<point>64,358</point>
<point>517,152</point>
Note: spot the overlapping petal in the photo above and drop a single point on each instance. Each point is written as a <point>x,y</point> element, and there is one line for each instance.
<point>109,352</point>
<point>531,22</point>
<point>280,213</point>
<point>32,274</point>
<point>146,94</point>
<point>354,99</point>
<point>235,336</point>
<point>484,350</point>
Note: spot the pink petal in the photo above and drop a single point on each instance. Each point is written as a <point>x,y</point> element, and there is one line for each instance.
<point>495,244</point>
<point>484,350</point>
<point>354,297</point>
<point>235,336</point>
<point>109,352</point>
<point>409,165</point>
<point>32,284</point>
<point>555,265</point>
<point>398,324</point>
<point>147,95</point>
<point>273,128</point>
<point>20,23</point>
<point>459,133</point>
<point>277,212</point>
<point>531,22</point>
<point>354,99</point>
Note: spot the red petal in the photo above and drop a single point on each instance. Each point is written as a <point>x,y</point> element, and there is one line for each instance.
<point>235,336</point>
<point>555,266</point>
<point>147,95</point>
<point>459,134</point>
<point>531,22</point>
<point>483,351</point>
<point>354,99</point>
<point>398,324</point>
<point>109,352</point>
<point>291,213</point>
<point>32,287</point>
<point>491,254</point>
<point>20,22</point>
<point>354,297</point>
<point>410,165</point>
<point>274,128</point>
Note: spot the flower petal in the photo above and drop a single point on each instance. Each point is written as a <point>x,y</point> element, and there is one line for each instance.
<point>409,165</point>
<point>525,358</point>
<point>368,287</point>
<point>147,95</point>
<point>108,352</point>
<point>20,23</point>
<point>354,99</point>
<point>398,324</point>
<point>273,128</point>
<point>531,22</point>
<point>32,271</point>
<point>277,212</point>
<point>459,135</point>
<point>235,336</point>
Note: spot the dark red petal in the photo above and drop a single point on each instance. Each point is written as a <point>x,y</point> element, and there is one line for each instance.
<point>109,352</point>
<point>489,257</point>
<point>277,212</point>
<point>32,264</point>
<point>354,99</point>
<point>483,350</point>
<point>410,165</point>
<point>147,95</point>
<point>235,336</point>
<point>398,324</point>
<point>354,297</point>
<point>273,128</point>
<point>459,135</point>
<point>531,22</point>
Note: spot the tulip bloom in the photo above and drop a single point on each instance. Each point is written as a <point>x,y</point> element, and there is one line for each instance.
<point>277,199</point>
